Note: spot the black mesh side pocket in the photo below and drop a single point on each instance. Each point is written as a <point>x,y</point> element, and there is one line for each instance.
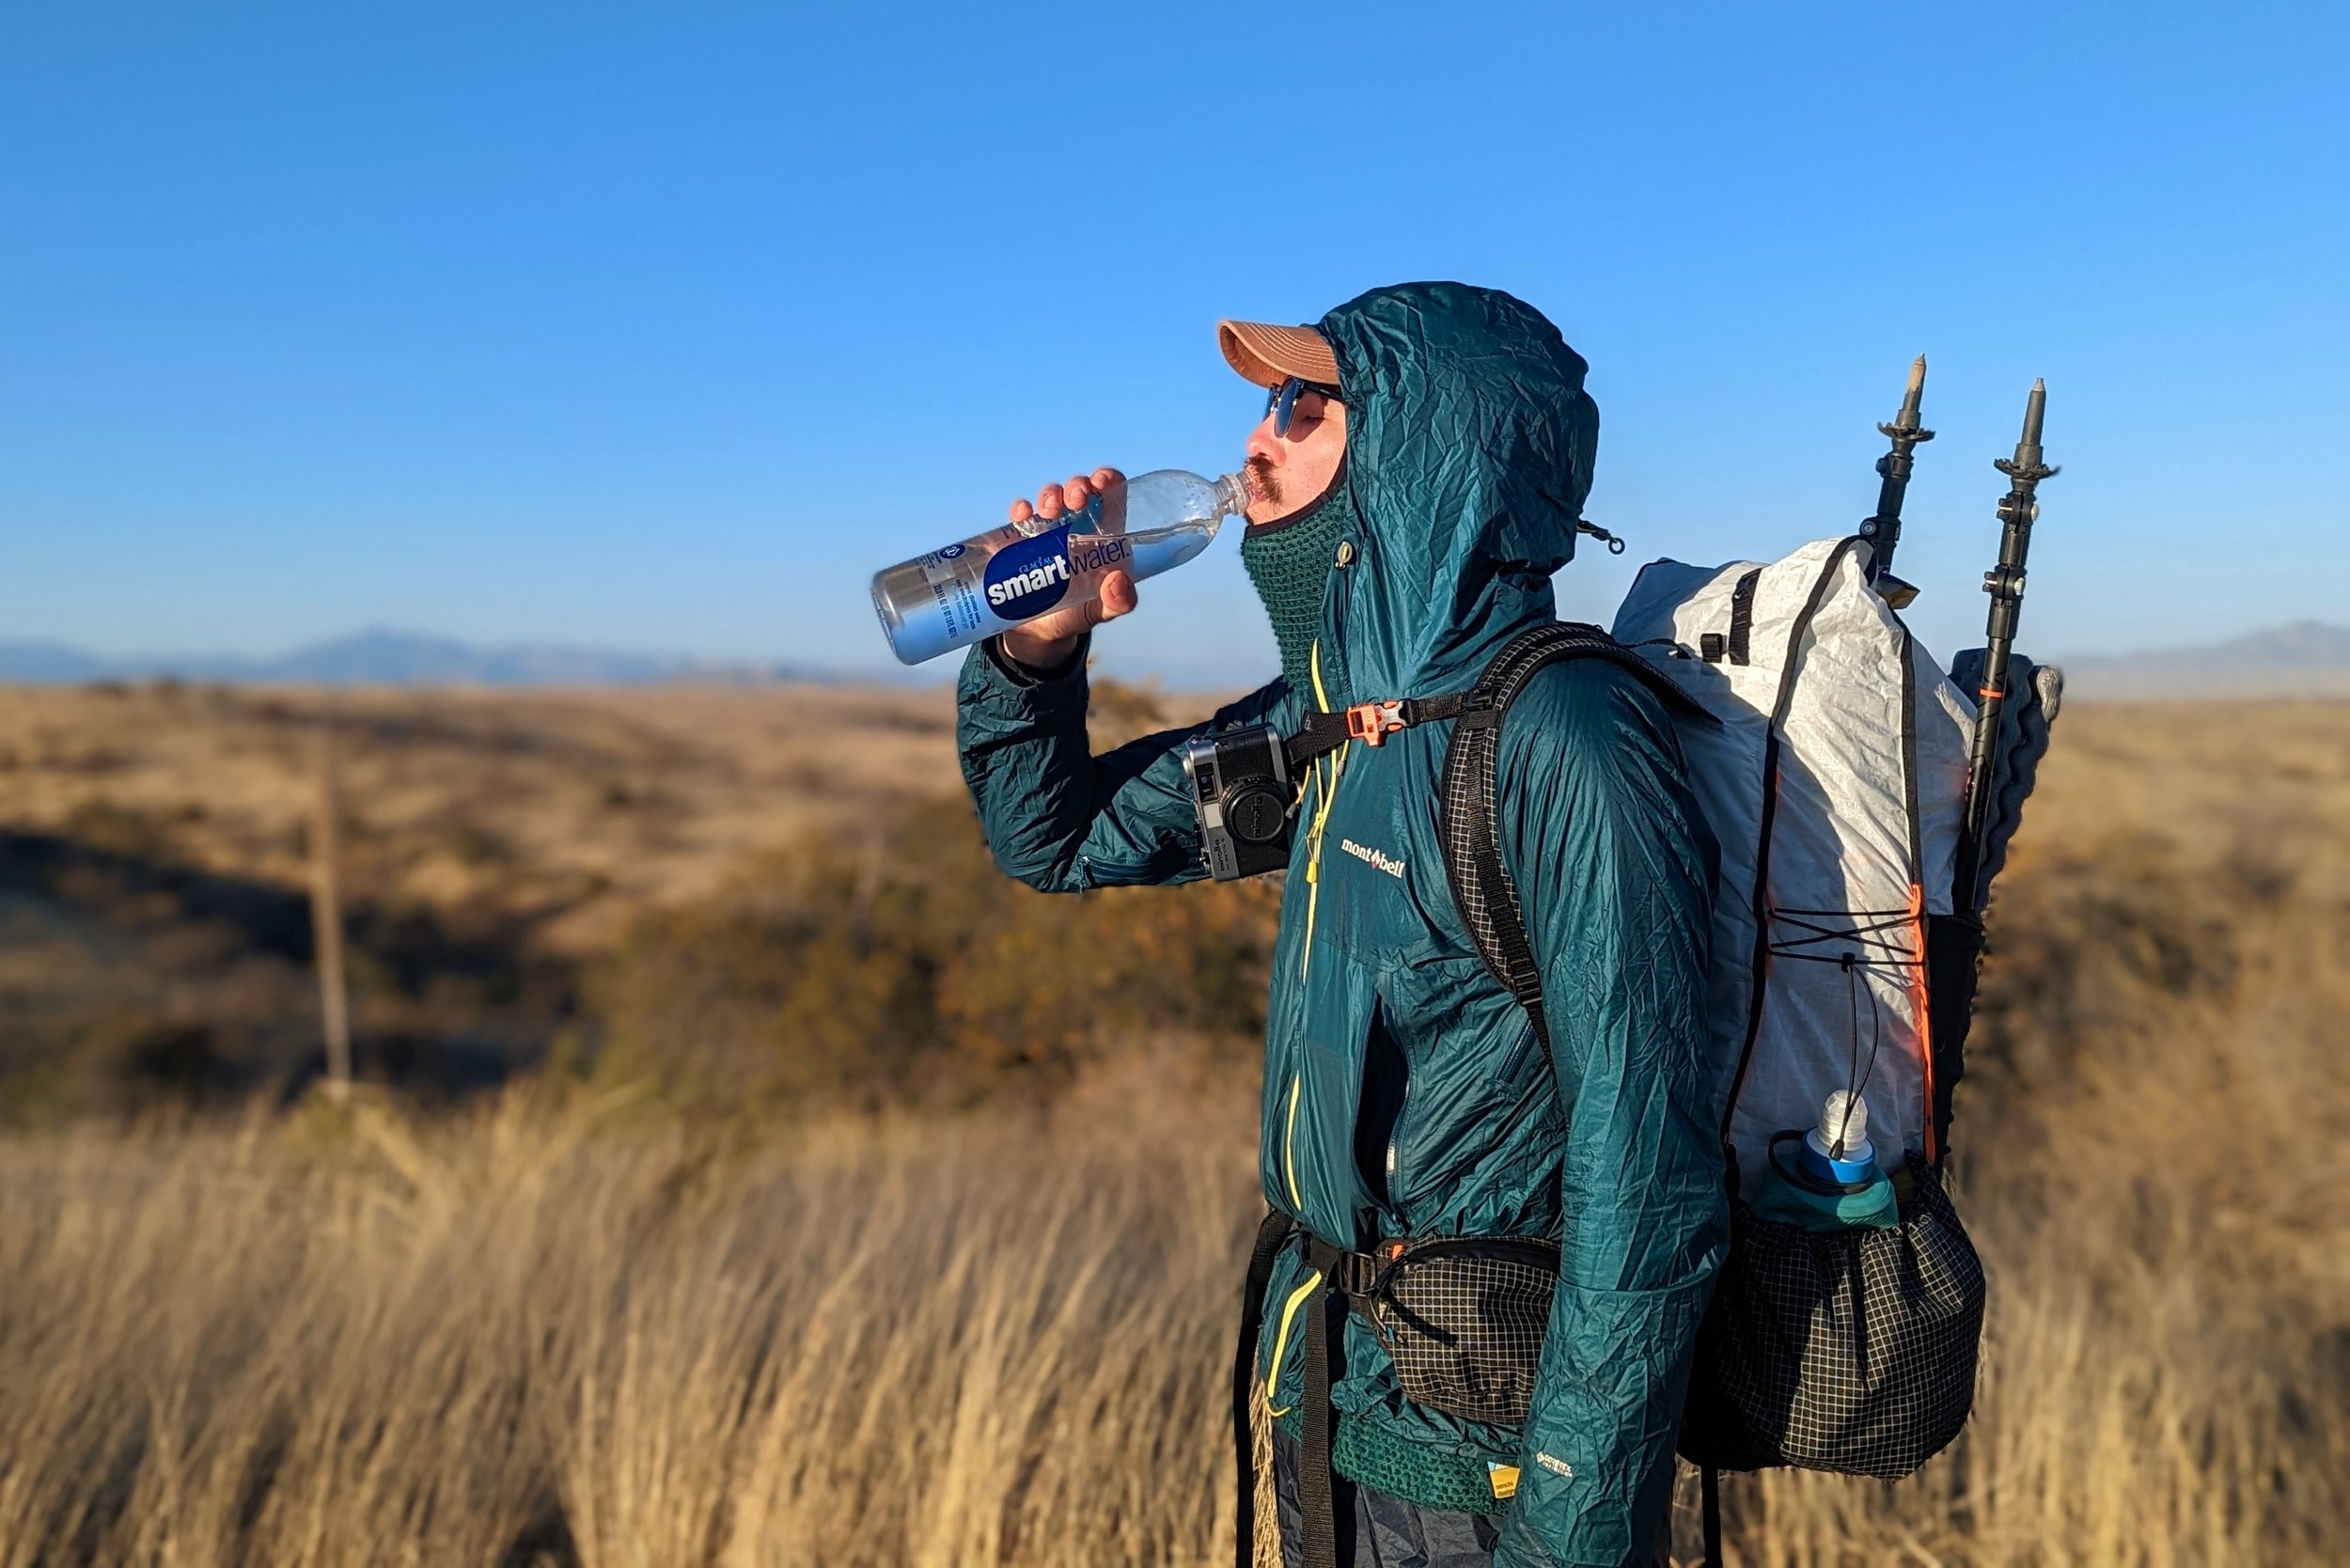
<point>1463,1319</point>
<point>1850,1350</point>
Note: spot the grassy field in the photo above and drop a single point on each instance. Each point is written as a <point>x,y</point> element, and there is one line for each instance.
<point>154,843</point>
<point>566,811</point>
<point>504,852</point>
<point>567,1322</point>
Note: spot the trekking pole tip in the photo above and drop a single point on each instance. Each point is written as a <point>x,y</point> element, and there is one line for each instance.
<point>2035,411</point>
<point>1904,426</point>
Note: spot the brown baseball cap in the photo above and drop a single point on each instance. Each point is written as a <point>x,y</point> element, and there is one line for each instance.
<point>1269,355</point>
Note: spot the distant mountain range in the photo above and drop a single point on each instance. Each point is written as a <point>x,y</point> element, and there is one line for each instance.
<point>2304,659</point>
<point>384,658</point>
<point>2308,658</point>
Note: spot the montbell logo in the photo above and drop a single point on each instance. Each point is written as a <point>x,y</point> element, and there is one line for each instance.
<point>1377,860</point>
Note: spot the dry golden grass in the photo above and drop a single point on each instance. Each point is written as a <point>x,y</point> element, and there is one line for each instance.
<point>531,1338</point>
<point>590,1332</point>
<point>502,850</point>
<point>576,809</point>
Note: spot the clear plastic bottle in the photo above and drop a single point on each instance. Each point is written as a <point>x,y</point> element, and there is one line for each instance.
<point>1828,1179</point>
<point>1838,1152</point>
<point>963,592</point>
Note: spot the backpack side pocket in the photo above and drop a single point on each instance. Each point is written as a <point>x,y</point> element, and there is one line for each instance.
<point>1851,1350</point>
<point>1463,1318</point>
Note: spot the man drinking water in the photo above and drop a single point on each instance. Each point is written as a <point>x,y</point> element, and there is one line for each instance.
<point>1417,478</point>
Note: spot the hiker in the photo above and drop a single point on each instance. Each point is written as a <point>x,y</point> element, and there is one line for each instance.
<point>1417,478</point>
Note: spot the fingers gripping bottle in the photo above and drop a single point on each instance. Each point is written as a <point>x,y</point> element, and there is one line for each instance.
<point>963,592</point>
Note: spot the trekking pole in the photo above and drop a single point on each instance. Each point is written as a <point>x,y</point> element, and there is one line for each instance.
<point>1883,530</point>
<point>2004,583</point>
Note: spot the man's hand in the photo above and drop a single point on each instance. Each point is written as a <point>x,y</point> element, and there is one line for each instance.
<point>1047,642</point>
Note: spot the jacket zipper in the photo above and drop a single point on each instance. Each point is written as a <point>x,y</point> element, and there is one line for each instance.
<point>1516,1058</point>
<point>1510,1065</point>
<point>1395,1137</point>
<point>1289,1142</point>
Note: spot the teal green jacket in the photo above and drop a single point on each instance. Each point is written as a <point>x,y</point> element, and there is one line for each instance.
<point>1403,1093</point>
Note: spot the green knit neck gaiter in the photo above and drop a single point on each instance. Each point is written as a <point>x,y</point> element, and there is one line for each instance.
<point>1290,563</point>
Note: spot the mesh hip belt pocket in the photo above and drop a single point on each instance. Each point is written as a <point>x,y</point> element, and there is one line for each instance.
<point>1461,1317</point>
<point>1850,1350</point>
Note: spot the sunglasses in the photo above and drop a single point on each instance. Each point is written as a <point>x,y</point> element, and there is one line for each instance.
<point>1282,402</point>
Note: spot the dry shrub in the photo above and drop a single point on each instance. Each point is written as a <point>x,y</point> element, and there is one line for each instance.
<point>897,965</point>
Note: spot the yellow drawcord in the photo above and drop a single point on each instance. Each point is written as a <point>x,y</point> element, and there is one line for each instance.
<point>1328,793</point>
<point>1281,1340</point>
<point>1289,1142</point>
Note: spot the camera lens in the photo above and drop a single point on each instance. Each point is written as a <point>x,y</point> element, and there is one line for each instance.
<point>1255,812</point>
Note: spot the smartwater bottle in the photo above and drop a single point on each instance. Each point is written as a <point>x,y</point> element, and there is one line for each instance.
<point>963,592</point>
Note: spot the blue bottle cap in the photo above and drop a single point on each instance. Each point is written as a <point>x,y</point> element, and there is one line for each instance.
<point>1858,1166</point>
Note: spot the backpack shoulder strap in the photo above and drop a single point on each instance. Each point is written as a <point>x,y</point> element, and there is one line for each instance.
<point>1468,817</point>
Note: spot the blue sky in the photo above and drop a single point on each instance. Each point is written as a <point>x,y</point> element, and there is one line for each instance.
<point>663,327</point>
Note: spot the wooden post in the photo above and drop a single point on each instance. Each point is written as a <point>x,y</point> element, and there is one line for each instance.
<point>327,916</point>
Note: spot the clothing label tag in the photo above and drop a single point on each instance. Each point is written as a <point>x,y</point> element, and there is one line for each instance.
<point>1504,1478</point>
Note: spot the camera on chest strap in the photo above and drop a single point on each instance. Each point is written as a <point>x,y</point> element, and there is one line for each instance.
<point>1243,787</point>
<point>1241,793</point>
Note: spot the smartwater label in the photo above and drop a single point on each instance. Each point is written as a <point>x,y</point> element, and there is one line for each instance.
<point>1027,578</point>
<point>953,599</point>
<point>1097,552</point>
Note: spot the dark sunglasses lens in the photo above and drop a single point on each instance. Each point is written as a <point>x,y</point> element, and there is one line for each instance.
<point>1285,405</point>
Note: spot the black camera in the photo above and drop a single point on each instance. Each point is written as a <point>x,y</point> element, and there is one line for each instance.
<point>1240,788</point>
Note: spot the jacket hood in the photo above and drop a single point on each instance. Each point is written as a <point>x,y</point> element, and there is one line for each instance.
<point>1469,449</point>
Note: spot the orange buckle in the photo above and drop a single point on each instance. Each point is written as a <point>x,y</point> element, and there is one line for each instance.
<point>1371,723</point>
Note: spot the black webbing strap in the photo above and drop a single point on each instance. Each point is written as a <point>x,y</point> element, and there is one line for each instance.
<point>1270,1235</point>
<point>1322,733</point>
<point>1739,642</point>
<point>1317,1503</point>
<point>1347,1277</point>
<point>1469,815</point>
<point>1710,1495</point>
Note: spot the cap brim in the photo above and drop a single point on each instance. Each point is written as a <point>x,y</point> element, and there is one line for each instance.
<point>1269,355</point>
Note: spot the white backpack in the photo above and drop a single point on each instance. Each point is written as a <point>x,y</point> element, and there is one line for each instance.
<point>1834,779</point>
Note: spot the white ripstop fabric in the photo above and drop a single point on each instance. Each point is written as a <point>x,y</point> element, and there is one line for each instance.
<point>1868,809</point>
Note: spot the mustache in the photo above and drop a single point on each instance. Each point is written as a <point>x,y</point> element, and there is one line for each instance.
<point>1260,480</point>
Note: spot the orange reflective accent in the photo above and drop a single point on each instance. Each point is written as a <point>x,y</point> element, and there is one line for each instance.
<point>1922,1000</point>
<point>1990,691</point>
